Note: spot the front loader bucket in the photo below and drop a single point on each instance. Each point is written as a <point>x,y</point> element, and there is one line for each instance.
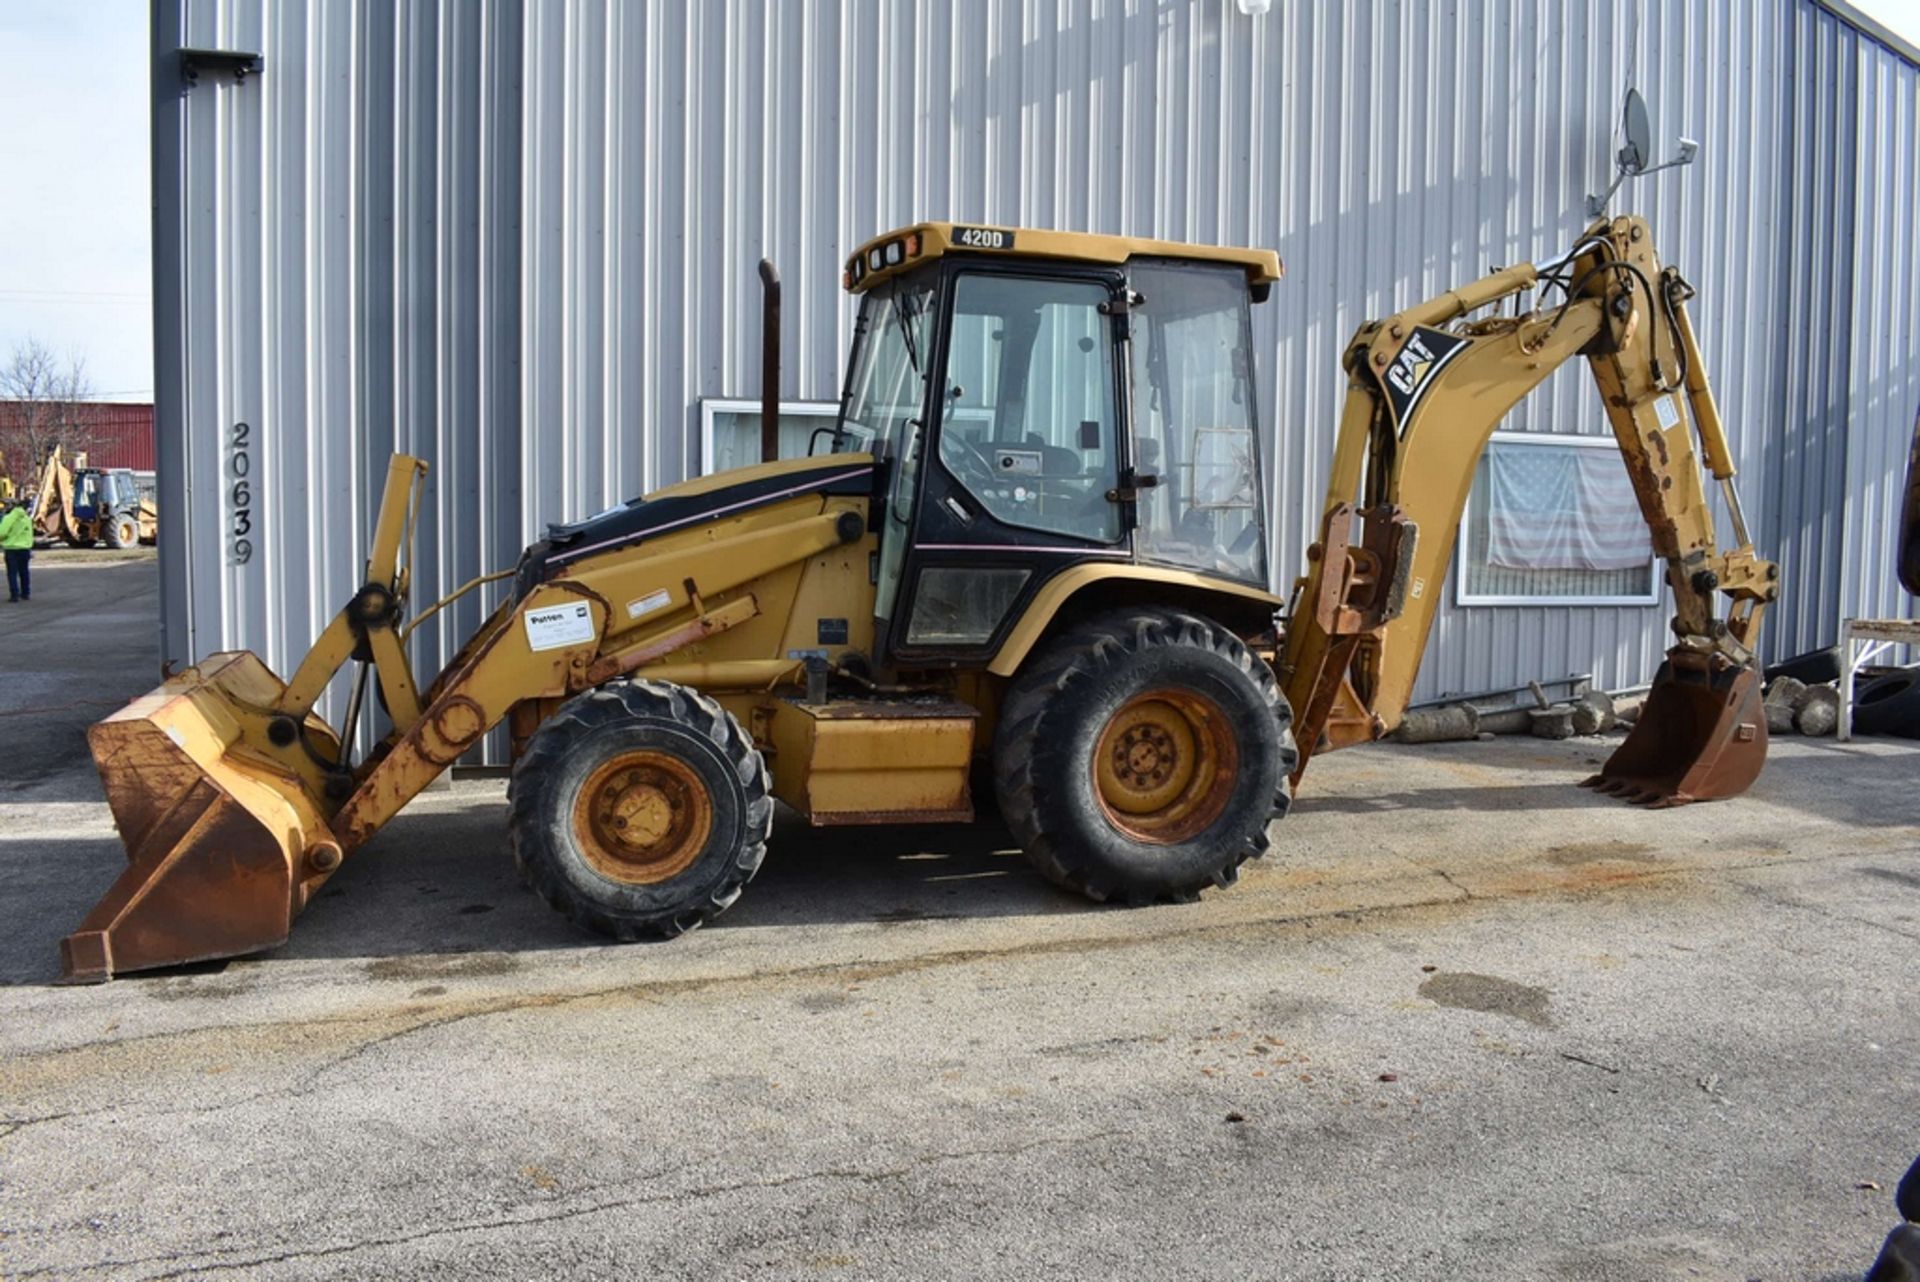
<point>225,839</point>
<point>1701,735</point>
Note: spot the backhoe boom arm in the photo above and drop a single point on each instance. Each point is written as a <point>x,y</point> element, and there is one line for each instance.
<point>1426,389</point>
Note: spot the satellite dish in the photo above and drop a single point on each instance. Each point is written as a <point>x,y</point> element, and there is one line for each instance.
<point>1638,132</point>
<point>1635,157</point>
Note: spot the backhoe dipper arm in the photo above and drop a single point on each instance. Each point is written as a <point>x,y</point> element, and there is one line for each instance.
<point>1426,389</point>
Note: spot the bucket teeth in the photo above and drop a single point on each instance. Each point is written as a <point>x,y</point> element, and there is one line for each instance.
<point>1700,736</point>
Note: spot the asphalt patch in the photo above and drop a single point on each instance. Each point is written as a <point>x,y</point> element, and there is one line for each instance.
<point>1596,852</point>
<point>1463,990</point>
<point>457,966</point>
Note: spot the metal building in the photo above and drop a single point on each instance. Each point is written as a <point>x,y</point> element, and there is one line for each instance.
<point>517,237</point>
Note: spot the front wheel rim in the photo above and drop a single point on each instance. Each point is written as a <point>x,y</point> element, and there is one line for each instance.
<point>1165,766</point>
<point>642,818</point>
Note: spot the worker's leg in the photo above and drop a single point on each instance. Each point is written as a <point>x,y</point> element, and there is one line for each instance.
<point>13,575</point>
<point>26,573</point>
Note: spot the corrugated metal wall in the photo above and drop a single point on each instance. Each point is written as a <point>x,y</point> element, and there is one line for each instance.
<point>518,237</point>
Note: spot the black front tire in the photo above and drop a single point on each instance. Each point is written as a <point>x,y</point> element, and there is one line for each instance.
<point>122,532</point>
<point>1057,726</point>
<point>701,761</point>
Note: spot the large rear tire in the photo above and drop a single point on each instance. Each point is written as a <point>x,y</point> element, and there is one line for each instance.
<point>123,532</point>
<point>1142,757</point>
<point>640,810</point>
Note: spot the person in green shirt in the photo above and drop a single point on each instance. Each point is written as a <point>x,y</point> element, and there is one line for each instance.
<point>16,539</point>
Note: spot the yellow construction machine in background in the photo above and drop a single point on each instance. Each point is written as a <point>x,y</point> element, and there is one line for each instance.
<point>84,506</point>
<point>1036,535</point>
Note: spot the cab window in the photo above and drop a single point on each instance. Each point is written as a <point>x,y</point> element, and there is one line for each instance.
<point>1193,421</point>
<point>886,390</point>
<point>1027,418</point>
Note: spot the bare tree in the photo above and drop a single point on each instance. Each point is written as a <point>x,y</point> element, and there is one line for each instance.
<point>44,402</point>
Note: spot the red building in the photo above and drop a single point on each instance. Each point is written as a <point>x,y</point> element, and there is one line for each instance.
<point>120,434</point>
<point>113,433</point>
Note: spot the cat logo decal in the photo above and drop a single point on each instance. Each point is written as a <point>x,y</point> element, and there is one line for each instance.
<point>1424,354</point>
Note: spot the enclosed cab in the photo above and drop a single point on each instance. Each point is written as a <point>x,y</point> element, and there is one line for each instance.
<point>1062,422</point>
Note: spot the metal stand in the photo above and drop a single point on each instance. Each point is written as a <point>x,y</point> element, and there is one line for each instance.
<point>1883,633</point>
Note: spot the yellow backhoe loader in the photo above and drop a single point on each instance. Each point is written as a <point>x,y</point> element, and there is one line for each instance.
<point>83,506</point>
<point>1035,535</point>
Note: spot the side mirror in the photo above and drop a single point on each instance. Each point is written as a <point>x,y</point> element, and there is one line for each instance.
<point>1636,151</point>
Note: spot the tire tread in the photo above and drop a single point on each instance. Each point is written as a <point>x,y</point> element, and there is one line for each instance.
<point>1077,655</point>
<point>615,702</point>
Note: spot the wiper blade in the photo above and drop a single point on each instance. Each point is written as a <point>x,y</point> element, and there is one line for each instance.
<point>906,335</point>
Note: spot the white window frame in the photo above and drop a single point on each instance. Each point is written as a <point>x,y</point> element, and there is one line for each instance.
<point>1465,598</point>
<point>711,407</point>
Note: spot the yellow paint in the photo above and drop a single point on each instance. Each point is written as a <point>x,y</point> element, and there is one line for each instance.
<point>1062,587</point>
<point>838,769</point>
<point>1262,266</point>
<point>1424,468</point>
<point>799,468</point>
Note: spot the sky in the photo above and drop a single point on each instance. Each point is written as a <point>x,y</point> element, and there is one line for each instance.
<point>75,199</point>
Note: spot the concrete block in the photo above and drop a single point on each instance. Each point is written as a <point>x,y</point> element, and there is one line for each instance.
<point>1779,718</point>
<point>1506,720</point>
<point>1553,723</point>
<point>1444,724</point>
<point>1818,711</point>
<point>1593,713</point>
<point>1785,690</point>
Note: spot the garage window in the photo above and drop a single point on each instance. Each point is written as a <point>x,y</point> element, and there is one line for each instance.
<point>730,431</point>
<point>1552,520</point>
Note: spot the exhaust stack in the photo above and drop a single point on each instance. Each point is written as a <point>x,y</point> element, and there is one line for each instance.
<point>769,361</point>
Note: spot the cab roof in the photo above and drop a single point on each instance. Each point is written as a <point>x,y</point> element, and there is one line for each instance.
<point>908,247</point>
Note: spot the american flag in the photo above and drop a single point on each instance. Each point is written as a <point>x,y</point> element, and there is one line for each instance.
<point>1562,507</point>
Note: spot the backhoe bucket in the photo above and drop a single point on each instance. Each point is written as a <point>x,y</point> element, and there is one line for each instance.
<point>226,836</point>
<point>1701,735</point>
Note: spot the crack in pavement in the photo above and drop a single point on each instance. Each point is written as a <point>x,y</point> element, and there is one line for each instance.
<point>1826,914</point>
<point>863,969</point>
<point>856,971</point>
<point>558,1213</point>
<point>1465,894</point>
<point>12,1124</point>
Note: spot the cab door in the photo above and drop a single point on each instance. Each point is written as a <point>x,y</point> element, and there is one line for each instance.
<point>1025,457</point>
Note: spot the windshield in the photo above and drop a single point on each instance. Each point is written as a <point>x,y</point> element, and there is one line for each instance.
<point>886,385</point>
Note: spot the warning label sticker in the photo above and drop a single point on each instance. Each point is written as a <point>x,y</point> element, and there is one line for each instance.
<point>648,604</point>
<point>553,626</point>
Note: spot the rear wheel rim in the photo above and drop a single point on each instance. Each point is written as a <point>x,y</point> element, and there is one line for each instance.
<point>1165,766</point>
<point>642,818</point>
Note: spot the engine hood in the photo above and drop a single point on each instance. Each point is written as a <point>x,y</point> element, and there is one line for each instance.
<point>702,498</point>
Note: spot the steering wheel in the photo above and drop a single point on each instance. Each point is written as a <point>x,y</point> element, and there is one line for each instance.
<point>974,462</point>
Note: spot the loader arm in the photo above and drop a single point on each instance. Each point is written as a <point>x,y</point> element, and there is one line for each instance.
<point>1426,389</point>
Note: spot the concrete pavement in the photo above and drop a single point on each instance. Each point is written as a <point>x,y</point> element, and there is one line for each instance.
<point>1470,1021</point>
